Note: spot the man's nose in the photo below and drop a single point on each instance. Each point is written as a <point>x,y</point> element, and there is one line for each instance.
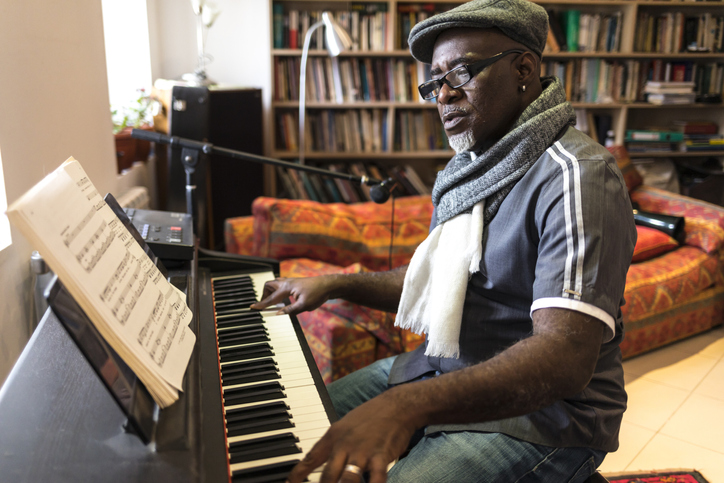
<point>448,94</point>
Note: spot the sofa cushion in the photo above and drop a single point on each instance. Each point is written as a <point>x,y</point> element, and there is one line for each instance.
<point>650,243</point>
<point>703,222</point>
<point>338,233</point>
<point>632,177</point>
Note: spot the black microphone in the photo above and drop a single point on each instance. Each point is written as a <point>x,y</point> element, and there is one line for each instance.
<point>381,192</point>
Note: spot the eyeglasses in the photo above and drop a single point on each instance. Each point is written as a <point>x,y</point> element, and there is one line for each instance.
<point>459,76</point>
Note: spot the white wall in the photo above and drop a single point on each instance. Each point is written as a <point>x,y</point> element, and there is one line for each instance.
<point>53,104</point>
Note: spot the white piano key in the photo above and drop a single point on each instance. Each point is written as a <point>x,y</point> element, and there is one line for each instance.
<point>292,381</point>
<point>296,397</point>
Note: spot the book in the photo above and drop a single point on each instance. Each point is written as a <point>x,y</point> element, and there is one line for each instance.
<point>134,308</point>
<point>652,135</point>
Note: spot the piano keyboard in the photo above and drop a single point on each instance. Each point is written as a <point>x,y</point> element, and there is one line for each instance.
<point>273,411</point>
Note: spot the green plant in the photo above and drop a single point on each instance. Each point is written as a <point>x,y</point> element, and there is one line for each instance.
<point>135,114</point>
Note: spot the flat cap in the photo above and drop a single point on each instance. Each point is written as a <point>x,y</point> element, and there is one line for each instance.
<point>521,20</point>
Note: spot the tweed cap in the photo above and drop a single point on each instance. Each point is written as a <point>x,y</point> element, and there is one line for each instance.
<point>521,20</point>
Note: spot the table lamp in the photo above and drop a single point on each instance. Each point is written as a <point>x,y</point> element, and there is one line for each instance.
<point>337,40</point>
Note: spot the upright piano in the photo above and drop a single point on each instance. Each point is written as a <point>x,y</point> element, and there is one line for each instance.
<point>253,401</point>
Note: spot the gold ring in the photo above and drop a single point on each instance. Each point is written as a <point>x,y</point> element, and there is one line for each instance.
<point>353,469</point>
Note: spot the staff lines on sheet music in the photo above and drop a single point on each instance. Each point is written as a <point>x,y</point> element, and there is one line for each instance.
<point>169,340</point>
<point>154,315</point>
<point>69,237</point>
<point>117,276</point>
<point>139,278</point>
<point>98,254</point>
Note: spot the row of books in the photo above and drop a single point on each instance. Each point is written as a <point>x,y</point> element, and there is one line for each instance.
<point>367,24</point>
<point>409,14</point>
<point>674,32</point>
<point>350,79</point>
<point>324,189</point>
<point>573,31</point>
<point>330,130</point>
<point>419,130</point>
<point>681,136</point>
<point>602,81</point>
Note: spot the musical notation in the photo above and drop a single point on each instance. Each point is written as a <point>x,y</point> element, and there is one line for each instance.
<point>69,237</point>
<point>89,258</point>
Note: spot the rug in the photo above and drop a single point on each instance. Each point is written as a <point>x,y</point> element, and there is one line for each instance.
<point>668,476</point>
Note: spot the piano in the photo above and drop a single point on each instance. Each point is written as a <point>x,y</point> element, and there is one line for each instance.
<point>253,402</point>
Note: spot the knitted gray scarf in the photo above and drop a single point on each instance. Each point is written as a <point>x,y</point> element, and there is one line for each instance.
<point>494,173</point>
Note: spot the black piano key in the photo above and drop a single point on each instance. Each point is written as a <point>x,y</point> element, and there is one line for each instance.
<point>267,391</point>
<point>261,448</point>
<point>238,320</point>
<point>232,354</point>
<point>248,366</point>
<point>244,329</point>
<point>258,376</point>
<point>231,292</point>
<point>275,473</point>
<point>257,419</point>
<point>241,279</point>
<point>237,305</point>
<point>243,339</point>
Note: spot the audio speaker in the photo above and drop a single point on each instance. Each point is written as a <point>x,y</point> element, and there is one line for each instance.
<point>227,118</point>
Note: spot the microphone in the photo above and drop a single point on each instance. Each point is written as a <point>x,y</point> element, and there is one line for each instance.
<point>381,192</point>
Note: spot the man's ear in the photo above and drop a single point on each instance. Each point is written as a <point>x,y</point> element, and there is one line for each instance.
<point>528,66</point>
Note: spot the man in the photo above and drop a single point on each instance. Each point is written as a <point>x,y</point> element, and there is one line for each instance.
<point>518,286</point>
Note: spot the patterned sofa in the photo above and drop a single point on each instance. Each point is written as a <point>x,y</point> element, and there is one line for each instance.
<point>672,291</point>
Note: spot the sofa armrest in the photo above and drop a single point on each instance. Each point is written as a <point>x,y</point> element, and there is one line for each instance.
<point>239,235</point>
<point>704,222</point>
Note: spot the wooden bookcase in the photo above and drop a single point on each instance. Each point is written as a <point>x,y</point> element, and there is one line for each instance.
<point>624,113</point>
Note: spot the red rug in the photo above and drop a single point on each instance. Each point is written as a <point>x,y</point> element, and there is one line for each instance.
<point>682,476</point>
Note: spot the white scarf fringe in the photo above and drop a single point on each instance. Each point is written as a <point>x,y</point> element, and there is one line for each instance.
<point>436,282</point>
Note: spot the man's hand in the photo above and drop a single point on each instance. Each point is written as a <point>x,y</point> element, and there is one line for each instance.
<point>305,293</point>
<point>371,437</point>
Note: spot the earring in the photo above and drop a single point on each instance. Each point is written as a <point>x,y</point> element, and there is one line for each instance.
<point>523,88</point>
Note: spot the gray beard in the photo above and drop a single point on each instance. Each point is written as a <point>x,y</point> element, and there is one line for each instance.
<point>462,142</point>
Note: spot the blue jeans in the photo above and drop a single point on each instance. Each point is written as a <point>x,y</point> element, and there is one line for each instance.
<point>466,456</point>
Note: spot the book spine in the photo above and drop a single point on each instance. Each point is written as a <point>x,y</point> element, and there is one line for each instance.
<point>572,29</point>
<point>278,20</point>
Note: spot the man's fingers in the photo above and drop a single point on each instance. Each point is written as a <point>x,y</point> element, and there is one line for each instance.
<point>314,459</point>
<point>378,469</point>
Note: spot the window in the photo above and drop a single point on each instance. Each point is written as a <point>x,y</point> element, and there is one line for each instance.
<point>5,239</point>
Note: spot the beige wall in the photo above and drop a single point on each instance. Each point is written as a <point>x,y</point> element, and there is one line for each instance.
<point>53,104</point>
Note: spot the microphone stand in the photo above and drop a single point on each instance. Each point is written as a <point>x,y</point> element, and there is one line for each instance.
<point>380,190</point>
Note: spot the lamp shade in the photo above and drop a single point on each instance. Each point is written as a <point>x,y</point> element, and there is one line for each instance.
<point>338,40</point>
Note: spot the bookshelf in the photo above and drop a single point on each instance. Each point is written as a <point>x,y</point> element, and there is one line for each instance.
<point>376,116</point>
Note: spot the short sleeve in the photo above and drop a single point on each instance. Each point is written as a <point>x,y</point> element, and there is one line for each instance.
<point>587,235</point>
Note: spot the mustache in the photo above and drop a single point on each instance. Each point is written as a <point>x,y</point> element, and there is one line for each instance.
<point>449,109</point>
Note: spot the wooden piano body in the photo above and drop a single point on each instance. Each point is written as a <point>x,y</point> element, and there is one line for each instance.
<point>59,423</point>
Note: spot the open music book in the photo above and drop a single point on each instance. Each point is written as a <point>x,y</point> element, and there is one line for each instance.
<point>136,310</point>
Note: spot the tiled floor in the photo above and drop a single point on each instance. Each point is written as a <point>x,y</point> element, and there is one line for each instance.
<point>675,416</point>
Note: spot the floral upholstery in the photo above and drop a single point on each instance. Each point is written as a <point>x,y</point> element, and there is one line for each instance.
<point>668,297</point>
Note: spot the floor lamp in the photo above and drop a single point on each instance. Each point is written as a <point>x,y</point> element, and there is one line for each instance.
<point>337,40</point>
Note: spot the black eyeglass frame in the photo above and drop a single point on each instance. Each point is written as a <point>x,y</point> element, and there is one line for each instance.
<point>472,69</point>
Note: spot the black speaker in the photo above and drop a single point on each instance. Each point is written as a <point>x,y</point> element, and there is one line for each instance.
<point>227,118</point>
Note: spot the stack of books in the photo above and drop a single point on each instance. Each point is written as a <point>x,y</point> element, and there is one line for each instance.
<point>670,92</point>
<point>700,135</point>
<point>653,140</point>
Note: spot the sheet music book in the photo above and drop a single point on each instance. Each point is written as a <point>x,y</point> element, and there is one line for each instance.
<point>135,309</point>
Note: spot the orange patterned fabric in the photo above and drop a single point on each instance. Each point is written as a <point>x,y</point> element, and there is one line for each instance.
<point>651,242</point>
<point>239,235</point>
<point>343,336</point>
<point>338,233</point>
<point>632,177</point>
